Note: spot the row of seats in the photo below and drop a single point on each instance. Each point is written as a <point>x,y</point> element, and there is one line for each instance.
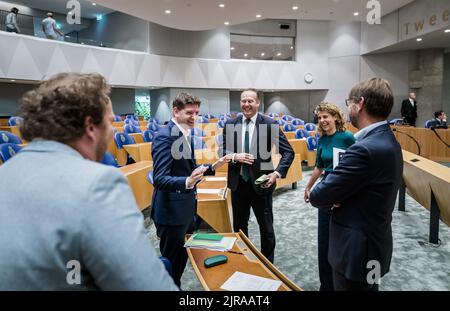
<point>9,144</point>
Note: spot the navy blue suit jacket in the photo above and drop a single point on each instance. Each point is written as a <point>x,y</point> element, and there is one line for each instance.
<point>366,183</point>
<point>173,163</point>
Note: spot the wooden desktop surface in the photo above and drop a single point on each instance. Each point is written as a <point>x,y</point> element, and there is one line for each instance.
<point>140,152</point>
<point>136,175</point>
<point>251,261</point>
<point>423,176</point>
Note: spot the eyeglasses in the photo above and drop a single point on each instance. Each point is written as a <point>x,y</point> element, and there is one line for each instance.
<point>348,101</point>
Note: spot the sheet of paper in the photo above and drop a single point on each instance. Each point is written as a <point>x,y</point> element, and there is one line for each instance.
<point>216,178</point>
<point>224,245</point>
<point>337,154</point>
<point>247,282</point>
<point>210,191</point>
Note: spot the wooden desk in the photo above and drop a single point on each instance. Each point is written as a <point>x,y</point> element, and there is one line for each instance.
<point>215,209</point>
<point>137,179</point>
<point>138,138</point>
<point>300,147</point>
<point>431,147</point>
<point>140,152</point>
<point>294,173</point>
<point>251,261</point>
<point>209,128</point>
<point>428,183</point>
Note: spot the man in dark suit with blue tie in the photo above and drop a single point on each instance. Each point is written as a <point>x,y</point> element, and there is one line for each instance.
<point>363,189</point>
<point>175,175</point>
<point>249,140</point>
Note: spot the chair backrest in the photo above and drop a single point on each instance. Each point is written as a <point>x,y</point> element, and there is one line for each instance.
<point>8,150</point>
<point>428,123</point>
<point>132,116</point>
<point>7,137</point>
<point>297,122</point>
<point>289,128</point>
<point>131,129</point>
<point>108,159</point>
<point>150,177</point>
<point>153,126</point>
<point>209,116</point>
<point>310,127</point>
<point>15,121</point>
<point>199,143</point>
<point>300,133</point>
<point>117,118</point>
<point>221,124</point>
<point>281,122</point>
<point>122,139</point>
<point>131,121</point>
<point>202,120</point>
<point>311,143</point>
<point>198,132</point>
<point>287,118</point>
<point>273,115</point>
<point>396,121</point>
<point>148,136</point>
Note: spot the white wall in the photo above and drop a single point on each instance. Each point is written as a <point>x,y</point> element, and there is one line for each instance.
<point>212,101</point>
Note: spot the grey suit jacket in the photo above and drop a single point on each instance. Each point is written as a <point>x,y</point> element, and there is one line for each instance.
<point>56,209</point>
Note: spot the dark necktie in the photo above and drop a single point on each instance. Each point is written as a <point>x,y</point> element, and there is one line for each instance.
<point>246,167</point>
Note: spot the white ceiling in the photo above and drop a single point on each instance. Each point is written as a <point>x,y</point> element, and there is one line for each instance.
<point>206,14</point>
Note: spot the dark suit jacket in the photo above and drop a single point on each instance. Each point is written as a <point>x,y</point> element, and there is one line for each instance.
<point>408,111</point>
<point>173,204</point>
<point>260,146</point>
<point>366,183</point>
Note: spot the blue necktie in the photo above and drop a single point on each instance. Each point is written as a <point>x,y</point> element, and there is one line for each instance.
<point>246,167</point>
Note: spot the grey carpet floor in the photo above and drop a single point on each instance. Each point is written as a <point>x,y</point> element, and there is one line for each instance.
<point>416,264</point>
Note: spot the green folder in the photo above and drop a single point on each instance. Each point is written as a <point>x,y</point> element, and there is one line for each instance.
<point>208,237</point>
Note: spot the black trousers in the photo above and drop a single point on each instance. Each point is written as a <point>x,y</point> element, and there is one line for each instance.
<point>323,238</point>
<point>244,198</point>
<point>343,284</point>
<point>411,121</point>
<point>171,247</point>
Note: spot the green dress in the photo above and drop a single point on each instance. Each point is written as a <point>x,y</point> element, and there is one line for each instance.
<point>341,140</point>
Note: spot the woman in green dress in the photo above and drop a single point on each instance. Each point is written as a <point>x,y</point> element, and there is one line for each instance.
<point>333,135</point>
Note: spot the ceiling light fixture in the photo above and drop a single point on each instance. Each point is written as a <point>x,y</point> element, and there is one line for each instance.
<point>419,39</point>
<point>221,5</point>
<point>278,54</point>
<point>292,47</point>
<point>258,15</point>
<point>232,48</point>
<point>94,4</point>
<point>295,7</point>
<point>263,54</point>
<point>226,23</point>
<point>245,55</point>
<point>356,14</point>
<point>13,80</point>
<point>447,30</point>
<point>167,11</point>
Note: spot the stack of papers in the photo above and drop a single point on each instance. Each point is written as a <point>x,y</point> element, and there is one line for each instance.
<point>240,281</point>
<point>223,245</point>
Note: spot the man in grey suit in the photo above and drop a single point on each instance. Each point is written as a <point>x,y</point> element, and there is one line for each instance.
<point>67,222</point>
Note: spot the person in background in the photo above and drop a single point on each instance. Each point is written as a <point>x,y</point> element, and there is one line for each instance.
<point>363,189</point>
<point>49,27</point>
<point>333,135</point>
<point>11,21</point>
<point>409,109</point>
<point>68,222</point>
<point>440,120</point>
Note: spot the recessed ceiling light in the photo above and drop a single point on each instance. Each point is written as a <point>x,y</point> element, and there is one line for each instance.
<point>167,11</point>
<point>258,16</point>
<point>263,54</point>
<point>447,30</point>
<point>93,3</point>
<point>245,55</point>
<point>419,39</point>
<point>278,54</point>
<point>232,48</point>
<point>356,14</point>
<point>295,7</point>
<point>226,23</point>
<point>221,5</point>
<point>13,80</point>
<point>292,47</point>
<point>70,13</point>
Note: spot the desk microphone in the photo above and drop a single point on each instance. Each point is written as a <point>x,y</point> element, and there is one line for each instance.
<point>439,136</point>
<point>417,143</point>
